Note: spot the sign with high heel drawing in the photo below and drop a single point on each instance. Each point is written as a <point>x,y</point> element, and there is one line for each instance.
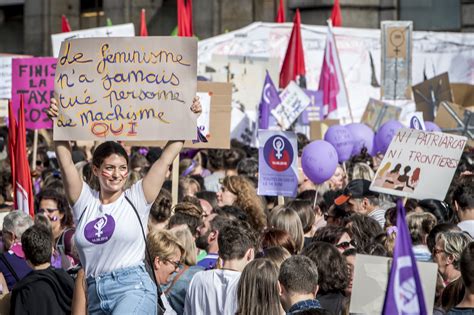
<point>129,88</point>
<point>419,164</point>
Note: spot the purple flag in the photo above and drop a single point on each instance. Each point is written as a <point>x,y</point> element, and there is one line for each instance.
<point>404,291</point>
<point>270,100</point>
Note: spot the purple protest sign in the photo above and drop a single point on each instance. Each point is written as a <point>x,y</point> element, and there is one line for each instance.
<point>34,79</point>
<point>314,111</point>
<point>278,163</point>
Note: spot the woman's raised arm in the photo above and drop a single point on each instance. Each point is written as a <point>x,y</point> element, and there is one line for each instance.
<point>71,179</point>
<point>155,177</point>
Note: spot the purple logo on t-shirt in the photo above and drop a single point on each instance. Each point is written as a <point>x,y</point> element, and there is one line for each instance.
<point>100,230</point>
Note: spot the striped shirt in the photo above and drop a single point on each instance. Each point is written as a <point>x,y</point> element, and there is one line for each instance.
<point>379,215</point>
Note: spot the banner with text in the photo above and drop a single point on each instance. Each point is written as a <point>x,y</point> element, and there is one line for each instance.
<point>34,79</point>
<point>419,164</point>
<point>277,163</point>
<point>122,30</point>
<point>137,88</point>
<point>293,102</point>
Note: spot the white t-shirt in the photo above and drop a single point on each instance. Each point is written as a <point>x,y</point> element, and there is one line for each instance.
<point>212,292</point>
<point>109,237</point>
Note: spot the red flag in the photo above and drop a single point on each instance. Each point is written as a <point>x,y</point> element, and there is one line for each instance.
<point>23,186</point>
<point>331,81</point>
<point>280,18</point>
<point>336,17</point>
<point>293,64</point>
<point>185,18</point>
<point>65,27</point>
<point>12,131</point>
<point>143,29</point>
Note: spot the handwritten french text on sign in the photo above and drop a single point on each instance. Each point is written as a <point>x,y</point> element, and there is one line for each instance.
<point>123,30</point>
<point>137,88</point>
<point>277,163</point>
<point>293,102</point>
<point>34,79</point>
<point>419,164</point>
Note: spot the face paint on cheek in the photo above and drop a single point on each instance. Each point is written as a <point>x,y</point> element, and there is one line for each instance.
<point>106,173</point>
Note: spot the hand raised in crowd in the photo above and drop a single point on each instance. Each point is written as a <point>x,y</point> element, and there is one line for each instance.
<point>52,111</point>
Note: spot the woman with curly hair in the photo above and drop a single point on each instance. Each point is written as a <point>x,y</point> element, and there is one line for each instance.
<point>239,191</point>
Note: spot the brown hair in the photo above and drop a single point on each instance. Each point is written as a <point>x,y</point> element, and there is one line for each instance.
<point>247,200</point>
<point>258,292</point>
<point>287,219</point>
<point>280,238</point>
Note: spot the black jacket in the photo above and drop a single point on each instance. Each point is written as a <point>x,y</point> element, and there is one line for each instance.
<point>47,291</point>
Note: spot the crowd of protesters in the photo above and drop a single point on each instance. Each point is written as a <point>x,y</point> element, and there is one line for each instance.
<point>107,240</point>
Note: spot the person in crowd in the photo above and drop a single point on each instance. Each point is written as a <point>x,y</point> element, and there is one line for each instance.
<point>45,290</point>
<point>463,200</point>
<point>335,215</point>
<point>210,198</point>
<point>420,225</point>
<point>167,253</point>
<point>216,165</point>
<point>56,208</point>
<point>338,180</point>
<point>304,209</point>
<point>333,275</point>
<point>248,167</point>
<point>239,191</point>
<point>208,235</point>
<point>360,170</point>
<point>466,264</point>
<point>189,214</point>
<point>362,200</point>
<point>231,159</point>
<point>189,167</point>
<point>363,230</point>
<point>278,237</point>
<point>276,254</point>
<point>441,210</point>
<point>178,284</point>
<point>437,229</point>
<point>13,265</point>
<point>288,220</point>
<point>160,211</point>
<point>350,255</point>
<point>189,186</point>
<point>258,292</point>
<point>110,223</point>
<point>447,253</point>
<point>215,291</point>
<point>335,235</point>
<point>298,279</point>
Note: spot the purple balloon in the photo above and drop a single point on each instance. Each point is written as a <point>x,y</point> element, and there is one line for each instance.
<point>362,136</point>
<point>385,134</point>
<point>431,126</point>
<point>319,161</point>
<point>342,141</point>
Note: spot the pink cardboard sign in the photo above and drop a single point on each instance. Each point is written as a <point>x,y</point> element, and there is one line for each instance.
<point>34,79</point>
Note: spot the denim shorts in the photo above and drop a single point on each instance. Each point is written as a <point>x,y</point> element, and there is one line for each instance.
<point>124,291</point>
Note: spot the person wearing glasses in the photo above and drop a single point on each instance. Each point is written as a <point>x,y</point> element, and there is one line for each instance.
<point>13,265</point>
<point>54,206</point>
<point>110,222</point>
<point>167,254</point>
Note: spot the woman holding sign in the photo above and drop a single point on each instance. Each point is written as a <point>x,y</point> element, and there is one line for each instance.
<point>109,235</point>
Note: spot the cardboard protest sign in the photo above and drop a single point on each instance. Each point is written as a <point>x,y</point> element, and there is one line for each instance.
<point>463,94</point>
<point>396,59</point>
<point>377,113</point>
<point>277,163</point>
<point>453,118</point>
<point>293,102</point>
<point>370,284</point>
<point>138,88</point>
<point>34,79</point>
<point>122,30</point>
<point>415,162</point>
<point>428,94</point>
<point>318,128</point>
<point>216,99</point>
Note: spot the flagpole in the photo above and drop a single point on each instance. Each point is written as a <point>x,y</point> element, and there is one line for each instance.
<point>339,61</point>
<point>35,150</point>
